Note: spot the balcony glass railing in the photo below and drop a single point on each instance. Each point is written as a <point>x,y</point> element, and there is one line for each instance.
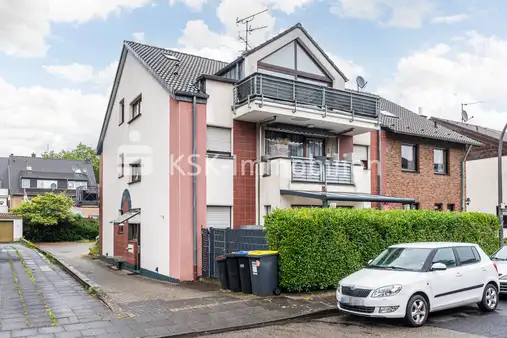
<point>276,89</point>
<point>309,170</point>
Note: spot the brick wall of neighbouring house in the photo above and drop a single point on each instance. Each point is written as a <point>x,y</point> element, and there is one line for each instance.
<point>245,145</point>
<point>424,185</point>
<point>375,165</point>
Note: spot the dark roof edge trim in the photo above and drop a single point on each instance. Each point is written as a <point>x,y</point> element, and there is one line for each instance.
<point>475,143</point>
<point>348,198</point>
<point>216,78</point>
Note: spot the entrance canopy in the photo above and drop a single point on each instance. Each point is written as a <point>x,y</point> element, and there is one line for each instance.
<point>126,216</point>
<point>347,196</point>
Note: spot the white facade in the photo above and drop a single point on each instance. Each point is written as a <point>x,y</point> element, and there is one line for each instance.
<point>145,139</point>
<point>482,184</point>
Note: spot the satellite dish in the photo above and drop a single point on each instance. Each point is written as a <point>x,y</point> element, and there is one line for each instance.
<point>464,116</point>
<point>53,186</point>
<point>361,83</point>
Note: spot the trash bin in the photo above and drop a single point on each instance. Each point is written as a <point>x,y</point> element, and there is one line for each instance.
<point>222,272</point>
<point>244,271</point>
<point>264,272</point>
<point>233,272</point>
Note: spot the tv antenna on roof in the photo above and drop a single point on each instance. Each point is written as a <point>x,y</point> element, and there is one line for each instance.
<point>248,28</point>
<point>361,82</point>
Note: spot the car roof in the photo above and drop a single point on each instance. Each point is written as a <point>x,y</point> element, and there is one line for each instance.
<point>431,245</point>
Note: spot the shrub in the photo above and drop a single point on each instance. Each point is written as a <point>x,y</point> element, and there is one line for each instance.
<point>76,228</point>
<point>318,247</point>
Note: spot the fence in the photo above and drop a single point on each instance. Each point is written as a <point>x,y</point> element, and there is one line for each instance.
<point>218,242</point>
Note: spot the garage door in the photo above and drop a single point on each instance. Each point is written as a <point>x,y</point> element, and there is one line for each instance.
<point>218,217</point>
<point>6,231</point>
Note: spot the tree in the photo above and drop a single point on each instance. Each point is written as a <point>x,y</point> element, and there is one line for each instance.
<point>81,153</point>
<point>47,209</point>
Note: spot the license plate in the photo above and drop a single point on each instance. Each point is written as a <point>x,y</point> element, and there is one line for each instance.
<point>352,301</point>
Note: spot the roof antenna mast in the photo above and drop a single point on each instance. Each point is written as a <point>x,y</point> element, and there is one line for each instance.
<point>248,28</point>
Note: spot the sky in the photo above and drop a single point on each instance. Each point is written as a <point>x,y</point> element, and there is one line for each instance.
<point>58,58</point>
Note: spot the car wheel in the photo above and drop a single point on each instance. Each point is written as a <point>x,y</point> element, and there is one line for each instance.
<point>417,311</point>
<point>489,298</point>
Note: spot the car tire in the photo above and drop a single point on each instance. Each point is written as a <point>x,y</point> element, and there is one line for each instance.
<point>417,311</point>
<point>490,298</point>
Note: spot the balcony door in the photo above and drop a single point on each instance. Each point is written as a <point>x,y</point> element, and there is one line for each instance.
<point>292,145</point>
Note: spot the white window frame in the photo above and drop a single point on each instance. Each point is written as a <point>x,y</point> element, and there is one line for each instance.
<point>136,107</point>
<point>46,184</point>
<point>23,183</point>
<point>218,140</point>
<point>220,226</point>
<point>136,172</point>
<point>73,185</point>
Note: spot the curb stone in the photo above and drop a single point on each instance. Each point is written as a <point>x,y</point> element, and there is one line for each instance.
<point>88,284</point>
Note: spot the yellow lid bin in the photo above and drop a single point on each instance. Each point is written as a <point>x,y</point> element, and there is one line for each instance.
<point>262,253</point>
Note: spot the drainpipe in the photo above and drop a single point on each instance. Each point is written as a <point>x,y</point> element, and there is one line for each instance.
<point>463,168</point>
<point>259,158</point>
<point>194,180</point>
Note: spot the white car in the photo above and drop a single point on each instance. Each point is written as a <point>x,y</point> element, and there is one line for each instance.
<point>411,280</point>
<point>500,259</point>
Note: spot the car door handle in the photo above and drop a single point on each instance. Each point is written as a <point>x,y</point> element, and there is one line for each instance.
<point>484,269</point>
<point>458,274</point>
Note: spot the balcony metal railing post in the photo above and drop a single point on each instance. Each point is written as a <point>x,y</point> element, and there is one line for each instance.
<point>294,96</point>
<point>260,89</point>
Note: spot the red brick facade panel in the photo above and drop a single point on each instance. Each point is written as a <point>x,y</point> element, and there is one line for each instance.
<point>424,185</point>
<point>245,149</point>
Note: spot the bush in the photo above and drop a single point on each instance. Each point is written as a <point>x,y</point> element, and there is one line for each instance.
<point>94,249</point>
<point>76,228</point>
<point>318,247</point>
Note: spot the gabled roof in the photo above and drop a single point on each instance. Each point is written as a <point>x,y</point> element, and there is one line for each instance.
<point>46,168</point>
<point>407,122</point>
<point>176,72</point>
<point>480,131</point>
<point>267,42</point>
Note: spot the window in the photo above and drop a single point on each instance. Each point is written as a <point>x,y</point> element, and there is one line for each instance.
<point>415,206</point>
<point>445,256</point>
<point>440,161</point>
<point>121,112</point>
<point>267,209</point>
<point>25,183</point>
<point>296,145</point>
<point>466,255</point>
<point>218,217</point>
<point>438,207</point>
<point>133,232</point>
<point>121,165</point>
<point>77,184</point>
<point>47,184</point>
<point>136,108</point>
<point>361,155</point>
<point>120,228</point>
<point>409,157</point>
<point>3,201</point>
<point>450,207</point>
<point>136,172</point>
<point>218,140</point>
<point>401,258</point>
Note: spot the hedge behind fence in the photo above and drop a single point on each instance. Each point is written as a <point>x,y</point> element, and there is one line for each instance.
<point>318,247</point>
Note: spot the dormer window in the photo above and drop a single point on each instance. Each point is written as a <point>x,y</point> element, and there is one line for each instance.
<point>25,183</point>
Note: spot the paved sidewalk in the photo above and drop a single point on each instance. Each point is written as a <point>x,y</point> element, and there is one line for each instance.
<point>165,309</point>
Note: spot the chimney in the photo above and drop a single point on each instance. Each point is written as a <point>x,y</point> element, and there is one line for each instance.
<point>33,155</point>
<point>420,110</point>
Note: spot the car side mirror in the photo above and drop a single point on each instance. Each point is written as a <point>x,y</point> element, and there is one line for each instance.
<point>438,267</point>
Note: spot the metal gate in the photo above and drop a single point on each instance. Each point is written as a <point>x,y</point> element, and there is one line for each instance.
<point>217,242</point>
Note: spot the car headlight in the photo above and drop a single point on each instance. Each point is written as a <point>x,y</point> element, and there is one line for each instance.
<point>387,291</point>
<point>504,277</point>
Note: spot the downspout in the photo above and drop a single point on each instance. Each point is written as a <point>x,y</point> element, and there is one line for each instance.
<point>259,159</point>
<point>379,166</point>
<point>463,167</point>
<point>194,180</point>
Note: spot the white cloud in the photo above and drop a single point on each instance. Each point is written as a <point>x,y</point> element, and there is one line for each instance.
<point>470,68</point>
<point>79,73</point>
<point>350,69</point>
<point>395,13</point>
<point>34,117</point>
<point>450,19</point>
<point>195,5</point>
<point>26,24</point>
<point>138,37</point>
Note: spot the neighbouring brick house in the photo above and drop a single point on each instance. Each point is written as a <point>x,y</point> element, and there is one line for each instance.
<point>481,165</point>
<point>420,158</point>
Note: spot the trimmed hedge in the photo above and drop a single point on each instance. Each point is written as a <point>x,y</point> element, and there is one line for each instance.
<point>318,247</point>
<point>77,229</point>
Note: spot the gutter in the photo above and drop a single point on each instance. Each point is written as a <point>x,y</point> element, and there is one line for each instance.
<point>194,181</point>
<point>463,167</point>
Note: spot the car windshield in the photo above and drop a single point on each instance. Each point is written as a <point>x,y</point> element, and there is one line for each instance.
<point>500,255</point>
<point>402,259</point>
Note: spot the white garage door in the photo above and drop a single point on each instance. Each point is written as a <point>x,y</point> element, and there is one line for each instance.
<point>218,217</point>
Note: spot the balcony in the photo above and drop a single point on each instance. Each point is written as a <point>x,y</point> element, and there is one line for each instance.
<point>262,96</point>
<point>87,196</point>
<point>312,171</point>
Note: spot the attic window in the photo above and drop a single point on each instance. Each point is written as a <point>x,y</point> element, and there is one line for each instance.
<point>386,113</point>
<point>170,57</point>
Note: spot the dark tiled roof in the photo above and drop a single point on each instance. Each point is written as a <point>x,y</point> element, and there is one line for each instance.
<point>178,75</point>
<point>52,168</point>
<point>409,123</point>
<point>267,42</point>
<point>474,128</point>
<point>4,176</point>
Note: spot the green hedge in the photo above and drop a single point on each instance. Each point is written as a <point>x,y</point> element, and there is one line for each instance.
<point>76,229</point>
<point>318,247</point>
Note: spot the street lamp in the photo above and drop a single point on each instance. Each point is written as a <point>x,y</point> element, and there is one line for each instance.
<point>500,206</point>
